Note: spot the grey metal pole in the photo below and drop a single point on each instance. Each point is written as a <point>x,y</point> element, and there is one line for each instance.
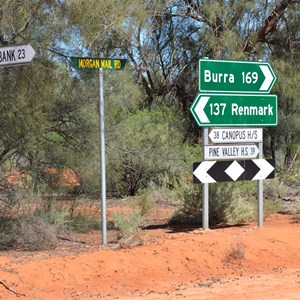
<point>260,189</point>
<point>102,158</point>
<point>205,190</point>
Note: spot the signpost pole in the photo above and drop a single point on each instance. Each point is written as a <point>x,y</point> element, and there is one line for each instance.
<point>205,191</point>
<point>102,158</point>
<point>260,193</point>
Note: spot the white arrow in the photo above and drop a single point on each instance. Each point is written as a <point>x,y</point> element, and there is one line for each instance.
<point>199,109</point>
<point>265,169</point>
<point>268,78</point>
<point>16,55</point>
<point>201,172</point>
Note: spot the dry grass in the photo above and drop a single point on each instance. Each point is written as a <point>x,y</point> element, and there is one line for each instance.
<point>235,252</point>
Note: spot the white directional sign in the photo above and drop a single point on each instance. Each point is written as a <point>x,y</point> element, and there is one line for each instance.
<point>220,171</point>
<point>236,135</point>
<point>217,152</point>
<point>16,55</point>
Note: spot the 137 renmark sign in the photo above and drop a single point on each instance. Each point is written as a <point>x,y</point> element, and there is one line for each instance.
<point>235,76</point>
<point>234,110</point>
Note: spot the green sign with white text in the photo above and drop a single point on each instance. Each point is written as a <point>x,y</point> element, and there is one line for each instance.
<point>234,110</point>
<point>235,77</point>
<point>98,63</point>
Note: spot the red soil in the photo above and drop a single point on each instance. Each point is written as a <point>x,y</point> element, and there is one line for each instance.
<point>173,263</point>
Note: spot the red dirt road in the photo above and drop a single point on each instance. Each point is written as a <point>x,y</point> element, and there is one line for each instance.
<point>174,263</point>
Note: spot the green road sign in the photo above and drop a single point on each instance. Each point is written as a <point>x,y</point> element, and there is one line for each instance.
<point>235,76</point>
<point>98,63</point>
<point>234,110</point>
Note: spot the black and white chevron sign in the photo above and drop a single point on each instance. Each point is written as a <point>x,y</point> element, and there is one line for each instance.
<point>220,171</point>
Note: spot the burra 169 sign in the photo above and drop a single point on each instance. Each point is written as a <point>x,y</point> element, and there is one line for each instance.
<point>235,76</point>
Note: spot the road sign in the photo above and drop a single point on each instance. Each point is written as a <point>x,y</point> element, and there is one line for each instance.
<point>16,55</point>
<point>235,76</point>
<point>218,152</point>
<point>234,135</point>
<point>234,110</point>
<point>98,63</point>
<point>220,171</point>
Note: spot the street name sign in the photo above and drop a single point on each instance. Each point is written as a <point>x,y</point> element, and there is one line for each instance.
<point>16,55</point>
<point>234,135</point>
<point>234,110</point>
<point>221,171</point>
<point>235,76</point>
<point>98,63</point>
<point>219,152</point>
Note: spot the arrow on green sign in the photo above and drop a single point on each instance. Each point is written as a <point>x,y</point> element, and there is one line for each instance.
<point>235,110</point>
<point>235,76</point>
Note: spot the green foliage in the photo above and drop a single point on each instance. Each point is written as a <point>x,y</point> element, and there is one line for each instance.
<point>128,223</point>
<point>142,202</point>
<point>82,223</point>
<point>271,207</point>
<point>226,205</point>
<point>141,148</point>
<point>57,217</point>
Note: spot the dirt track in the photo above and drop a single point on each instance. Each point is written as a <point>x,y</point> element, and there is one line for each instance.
<point>174,263</point>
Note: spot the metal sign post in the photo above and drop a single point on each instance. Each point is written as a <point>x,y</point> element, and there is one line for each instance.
<point>260,189</point>
<point>205,191</point>
<point>100,64</point>
<point>102,158</point>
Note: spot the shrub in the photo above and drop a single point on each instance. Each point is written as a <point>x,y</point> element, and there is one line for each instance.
<point>128,223</point>
<point>225,204</point>
<point>235,253</point>
<point>143,202</point>
<point>57,217</point>
<point>81,223</point>
<point>27,233</point>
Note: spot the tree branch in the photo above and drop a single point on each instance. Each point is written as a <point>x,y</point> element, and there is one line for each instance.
<point>269,26</point>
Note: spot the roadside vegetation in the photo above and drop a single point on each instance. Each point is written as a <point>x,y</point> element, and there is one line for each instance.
<point>50,121</point>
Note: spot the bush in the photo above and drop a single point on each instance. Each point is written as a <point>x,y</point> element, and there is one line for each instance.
<point>226,206</point>
<point>143,202</point>
<point>235,253</point>
<point>57,217</point>
<point>27,233</point>
<point>189,198</point>
<point>82,223</point>
<point>128,223</point>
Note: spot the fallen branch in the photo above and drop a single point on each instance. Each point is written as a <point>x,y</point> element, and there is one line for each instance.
<point>11,290</point>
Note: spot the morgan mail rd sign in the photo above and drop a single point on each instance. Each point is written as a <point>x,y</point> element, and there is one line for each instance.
<point>98,63</point>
